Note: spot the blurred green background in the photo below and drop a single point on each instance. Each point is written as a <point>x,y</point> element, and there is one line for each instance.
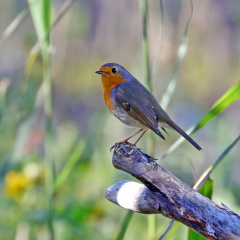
<point>71,204</point>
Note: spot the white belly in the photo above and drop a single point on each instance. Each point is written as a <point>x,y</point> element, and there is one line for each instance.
<point>128,120</point>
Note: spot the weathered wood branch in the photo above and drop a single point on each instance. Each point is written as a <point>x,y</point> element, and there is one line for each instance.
<point>165,194</point>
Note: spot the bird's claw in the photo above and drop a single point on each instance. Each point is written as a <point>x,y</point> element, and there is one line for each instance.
<point>117,143</point>
<point>113,146</point>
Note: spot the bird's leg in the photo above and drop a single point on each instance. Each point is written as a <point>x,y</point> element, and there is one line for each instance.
<point>126,140</point>
<point>140,137</point>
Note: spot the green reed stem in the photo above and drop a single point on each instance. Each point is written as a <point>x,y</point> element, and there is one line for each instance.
<point>125,224</point>
<point>41,14</point>
<point>145,43</point>
<point>47,87</point>
<point>152,219</point>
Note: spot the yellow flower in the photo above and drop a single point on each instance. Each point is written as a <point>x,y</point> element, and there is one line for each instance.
<point>16,183</point>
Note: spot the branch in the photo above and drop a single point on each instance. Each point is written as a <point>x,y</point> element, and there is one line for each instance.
<point>165,194</point>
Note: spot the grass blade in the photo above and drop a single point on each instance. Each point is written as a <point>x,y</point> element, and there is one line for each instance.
<point>194,235</point>
<point>168,228</point>
<point>148,82</point>
<point>152,226</point>
<point>162,35</point>
<point>182,49</point>
<point>145,44</point>
<point>125,224</point>
<point>226,100</point>
<point>41,15</point>
<point>145,51</point>
<point>207,188</point>
<point>36,48</point>
<point>207,191</point>
<point>70,164</point>
<point>13,25</point>
<point>207,173</point>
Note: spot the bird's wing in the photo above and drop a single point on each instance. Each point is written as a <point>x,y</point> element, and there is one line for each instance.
<point>139,108</point>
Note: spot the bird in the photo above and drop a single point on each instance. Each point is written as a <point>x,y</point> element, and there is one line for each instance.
<point>134,105</point>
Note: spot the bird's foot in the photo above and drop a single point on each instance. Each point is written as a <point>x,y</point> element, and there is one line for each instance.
<point>122,142</point>
<point>117,143</point>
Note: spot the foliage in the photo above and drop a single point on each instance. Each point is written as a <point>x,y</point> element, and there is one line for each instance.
<point>55,132</point>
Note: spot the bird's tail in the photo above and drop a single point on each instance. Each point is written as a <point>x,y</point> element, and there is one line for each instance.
<point>181,132</point>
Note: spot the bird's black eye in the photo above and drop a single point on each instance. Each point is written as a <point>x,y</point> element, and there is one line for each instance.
<point>114,70</point>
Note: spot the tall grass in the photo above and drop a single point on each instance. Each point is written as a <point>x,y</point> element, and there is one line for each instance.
<point>41,15</point>
<point>219,106</point>
<point>68,211</point>
<point>225,101</point>
<point>152,219</point>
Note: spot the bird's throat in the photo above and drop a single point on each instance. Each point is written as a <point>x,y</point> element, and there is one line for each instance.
<point>108,84</point>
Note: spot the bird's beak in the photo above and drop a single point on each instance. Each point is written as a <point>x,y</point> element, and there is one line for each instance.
<point>99,72</point>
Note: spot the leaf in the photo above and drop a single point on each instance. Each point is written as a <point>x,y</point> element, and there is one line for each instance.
<point>226,100</point>
<point>207,191</point>
<point>167,229</point>
<point>219,106</point>
<point>70,164</point>
<point>14,25</point>
<point>162,35</point>
<point>30,61</point>
<point>41,15</point>
<point>194,235</point>
<point>207,173</point>
<point>124,226</point>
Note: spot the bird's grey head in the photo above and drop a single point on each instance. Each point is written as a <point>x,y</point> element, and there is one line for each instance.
<point>115,69</point>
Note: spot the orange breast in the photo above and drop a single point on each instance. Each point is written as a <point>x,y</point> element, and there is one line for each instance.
<point>108,83</point>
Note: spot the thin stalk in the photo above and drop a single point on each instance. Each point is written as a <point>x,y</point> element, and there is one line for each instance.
<point>150,142</point>
<point>152,226</point>
<point>41,14</point>
<point>14,25</point>
<point>166,231</point>
<point>125,224</point>
<point>219,106</point>
<point>154,69</point>
<point>145,44</point>
<point>207,173</point>
<point>72,159</point>
<point>182,49</point>
<point>36,48</point>
<point>47,87</point>
<point>152,219</point>
<point>146,61</point>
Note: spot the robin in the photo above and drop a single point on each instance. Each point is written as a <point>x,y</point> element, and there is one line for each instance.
<point>133,104</point>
